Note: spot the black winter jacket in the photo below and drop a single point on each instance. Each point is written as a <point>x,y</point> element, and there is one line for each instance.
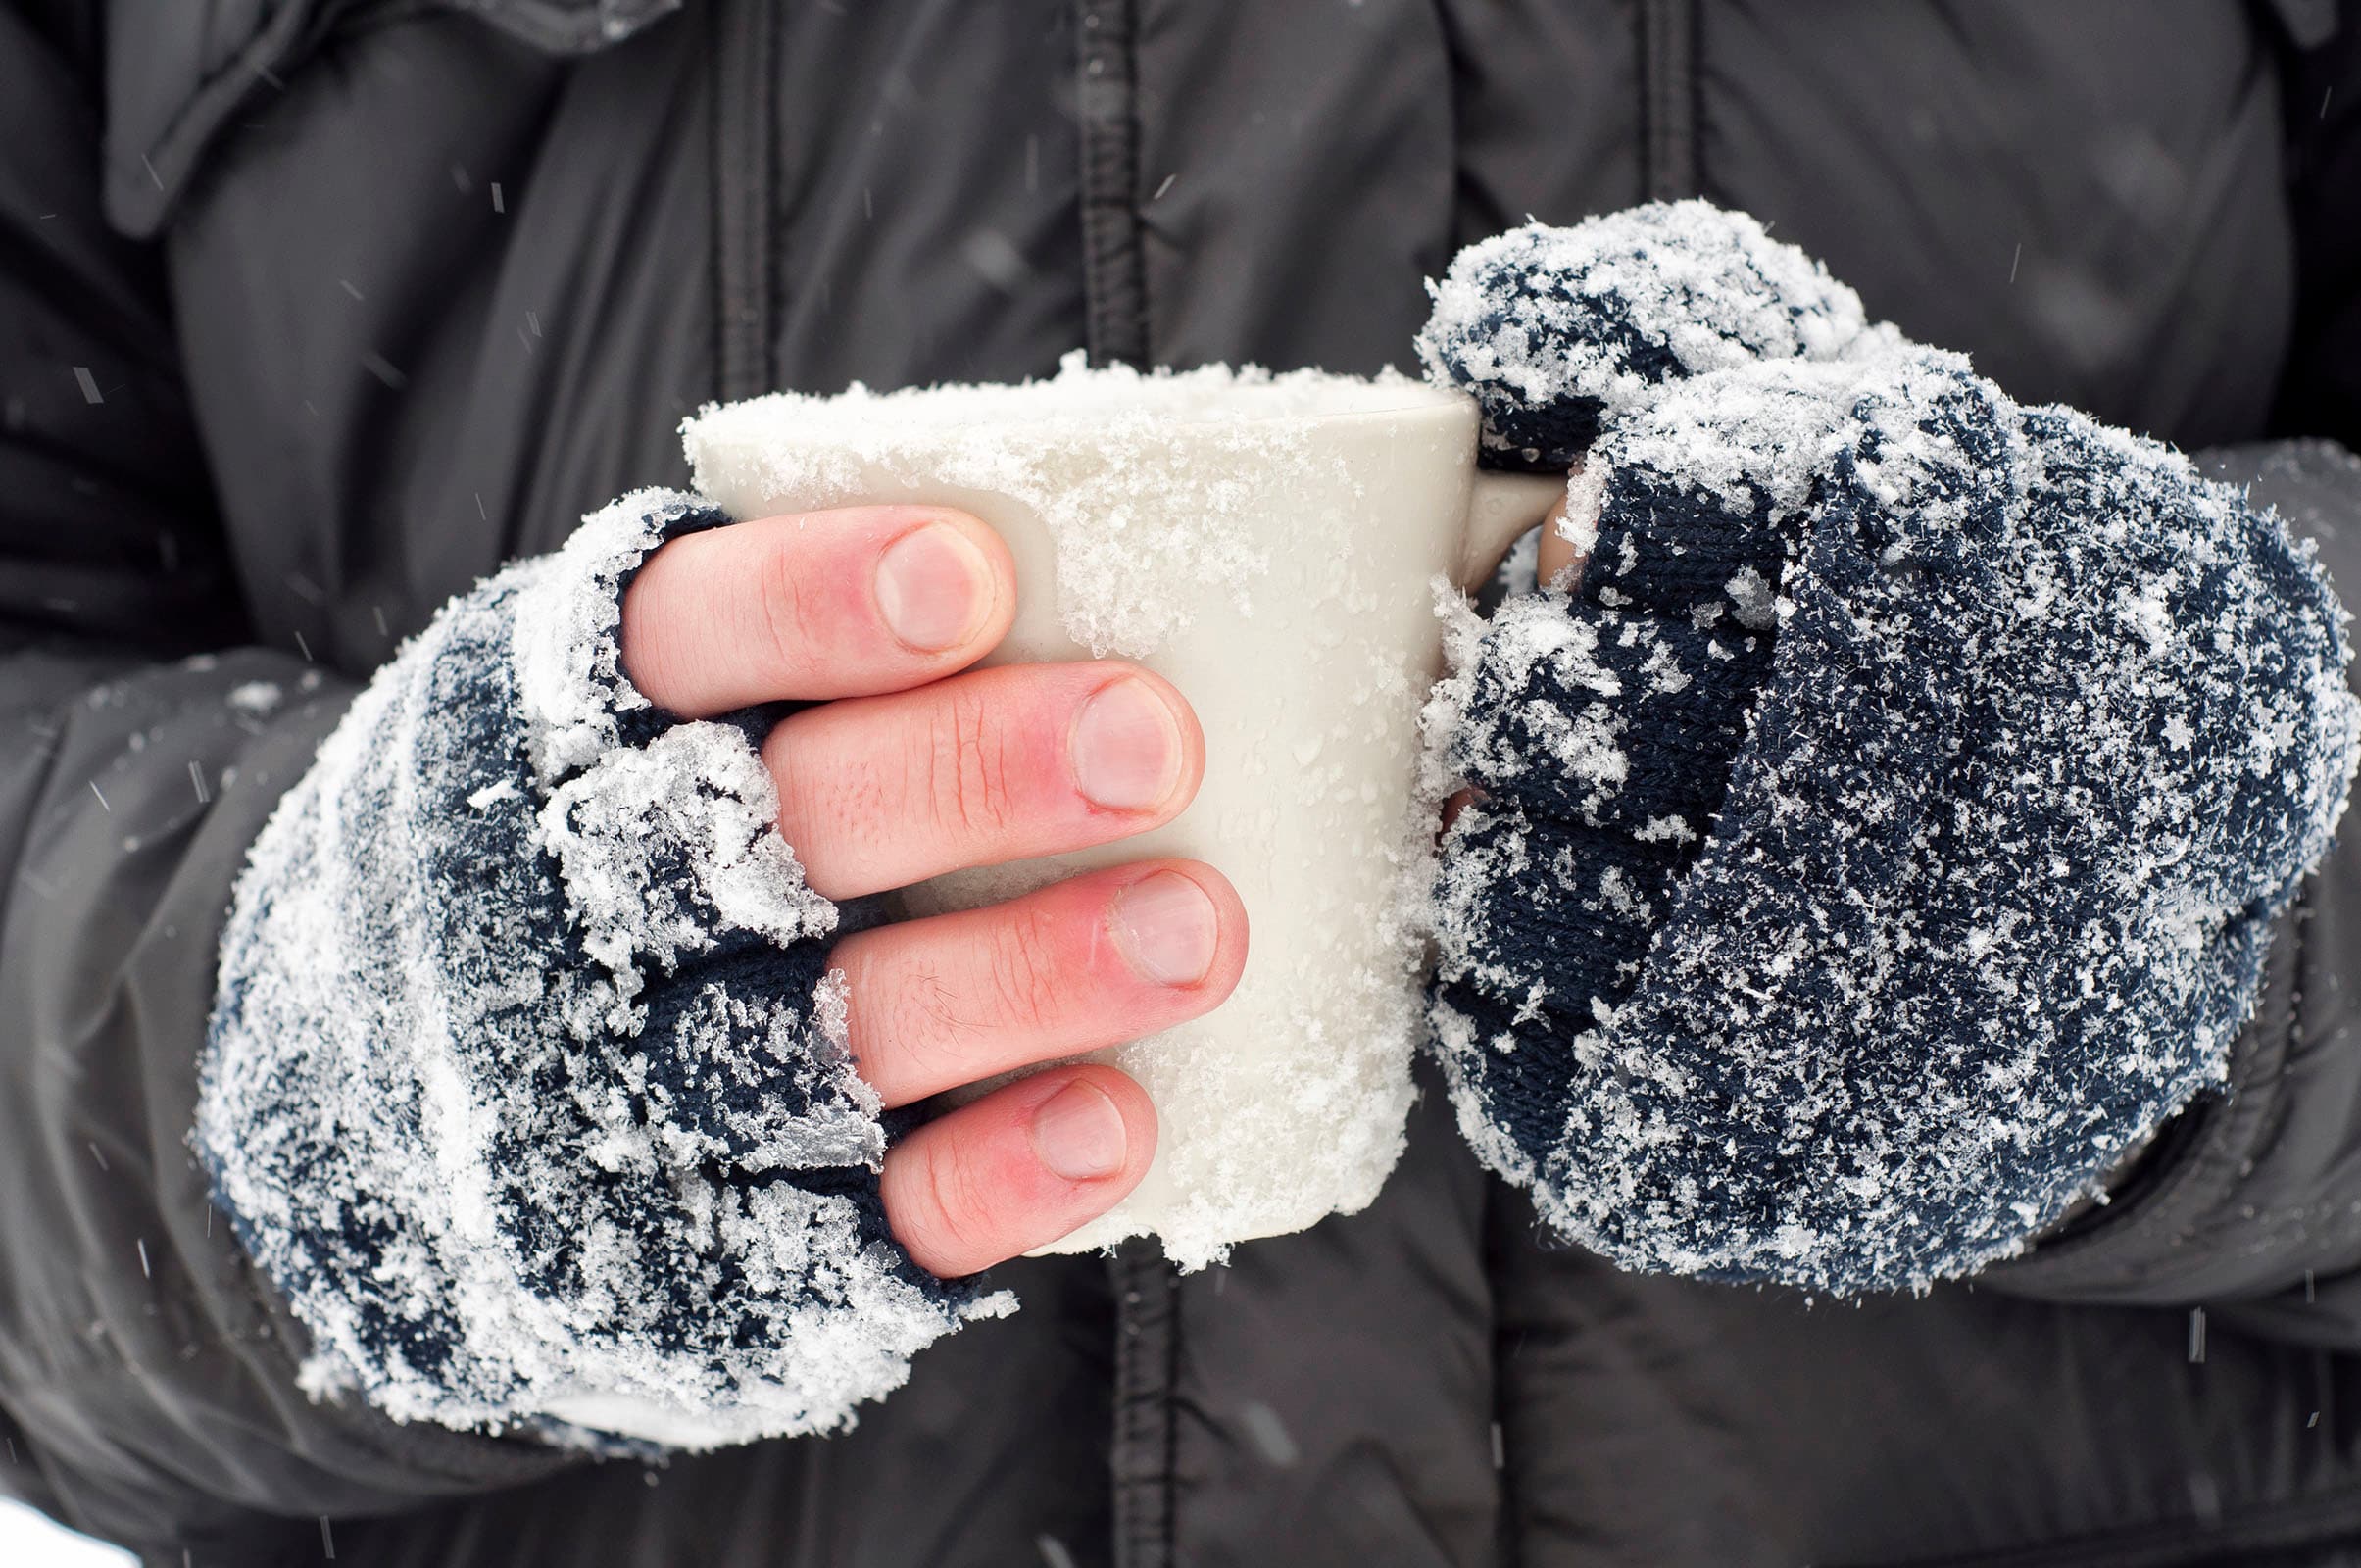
<point>313,312</point>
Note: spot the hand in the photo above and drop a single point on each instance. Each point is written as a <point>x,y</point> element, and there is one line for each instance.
<point>912,769</point>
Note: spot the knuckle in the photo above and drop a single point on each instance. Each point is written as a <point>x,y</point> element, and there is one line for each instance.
<point>792,620</point>
<point>1023,972</point>
<point>835,813</point>
<point>802,798</point>
<point>932,1028</point>
<point>971,777</point>
<point>956,1223</point>
<point>645,635</point>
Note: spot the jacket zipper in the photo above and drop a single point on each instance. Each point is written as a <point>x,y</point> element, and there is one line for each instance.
<point>1114,279</point>
<point>1147,1358</point>
<point>1668,92</point>
<point>744,80</point>
<point>1115,325</point>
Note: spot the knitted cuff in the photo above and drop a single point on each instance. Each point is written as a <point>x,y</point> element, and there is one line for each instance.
<point>525,1082</point>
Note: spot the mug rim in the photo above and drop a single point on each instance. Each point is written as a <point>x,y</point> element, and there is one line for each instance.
<point>1387,396</point>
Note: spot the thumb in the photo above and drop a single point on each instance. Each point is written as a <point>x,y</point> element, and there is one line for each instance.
<point>1557,551</point>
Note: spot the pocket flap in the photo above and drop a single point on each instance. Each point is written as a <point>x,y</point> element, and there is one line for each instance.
<point>177,72</point>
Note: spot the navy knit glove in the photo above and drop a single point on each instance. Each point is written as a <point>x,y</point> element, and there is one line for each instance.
<point>524,1082</point>
<point>1885,836</point>
<point>1556,329</point>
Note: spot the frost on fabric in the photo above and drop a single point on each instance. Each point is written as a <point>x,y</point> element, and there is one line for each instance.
<point>664,849</point>
<point>1553,329</point>
<point>1156,447</point>
<point>523,1084</point>
<point>1598,733</point>
<point>2046,730</point>
<point>568,659</point>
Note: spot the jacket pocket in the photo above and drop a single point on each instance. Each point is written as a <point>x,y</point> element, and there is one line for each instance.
<point>178,73</point>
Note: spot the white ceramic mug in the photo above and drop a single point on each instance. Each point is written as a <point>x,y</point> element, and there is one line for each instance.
<point>1269,545</point>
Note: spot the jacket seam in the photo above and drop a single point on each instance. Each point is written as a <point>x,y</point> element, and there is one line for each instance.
<point>423,1449</point>
<point>143,185</point>
<point>2304,25</point>
<point>1146,1359</point>
<point>169,156</point>
<point>1115,283</point>
<point>742,264</point>
<point>570,27</point>
<point>1668,99</point>
<point>1508,1522</point>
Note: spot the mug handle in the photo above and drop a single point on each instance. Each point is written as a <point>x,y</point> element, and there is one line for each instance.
<point>1501,508</point>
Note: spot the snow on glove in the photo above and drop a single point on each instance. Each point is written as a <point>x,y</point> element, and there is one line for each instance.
<point>524,1081</point>
<point>1555,329</point>
<point>1884,835</point>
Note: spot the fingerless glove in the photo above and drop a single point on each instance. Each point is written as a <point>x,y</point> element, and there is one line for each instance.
<point>1884,835</point>
<point>525,1084</point>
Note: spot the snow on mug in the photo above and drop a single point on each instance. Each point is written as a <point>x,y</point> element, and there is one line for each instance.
<point>1268,544</point>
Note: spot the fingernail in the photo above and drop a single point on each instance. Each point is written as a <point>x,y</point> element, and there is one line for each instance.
<point>930,588</point>
<point>1126,748</point>
<point>1079,1133</point>
<point>1168,928</point>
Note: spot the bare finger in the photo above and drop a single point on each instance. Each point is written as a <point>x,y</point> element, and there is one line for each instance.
<point>1088,963</point>
<point>1018,1168</point>
<point>843,603</point>
<point>1557,551</point>
<point>985,767</point>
